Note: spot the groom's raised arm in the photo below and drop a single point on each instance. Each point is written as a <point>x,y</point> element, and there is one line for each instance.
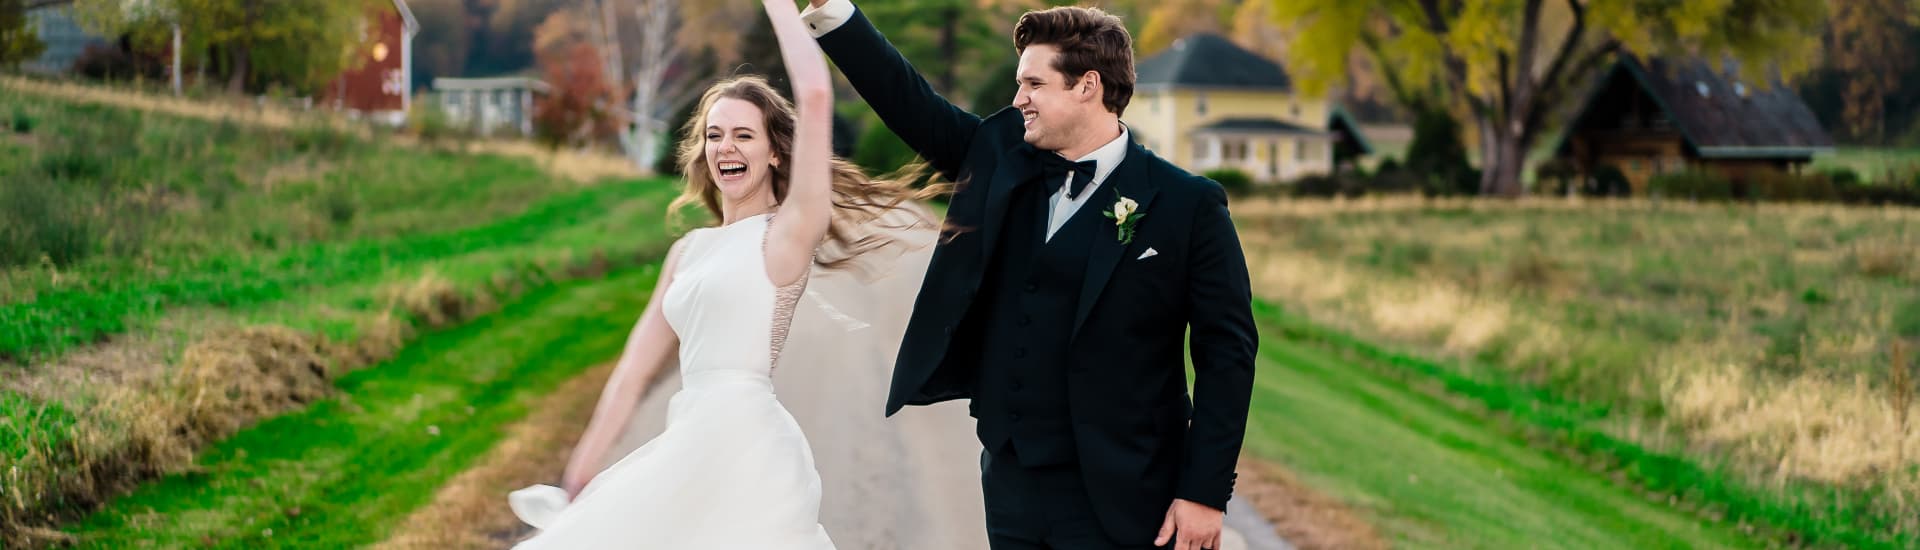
<point>927,122</point>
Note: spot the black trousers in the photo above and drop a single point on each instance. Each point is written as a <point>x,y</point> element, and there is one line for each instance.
<point>1041,508</point>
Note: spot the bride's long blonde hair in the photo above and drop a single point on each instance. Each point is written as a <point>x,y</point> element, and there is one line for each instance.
<point>859,201</point>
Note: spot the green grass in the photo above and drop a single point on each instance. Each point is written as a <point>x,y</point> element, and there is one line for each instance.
<point>114,297</point>
<point>336,290</point>
<point>1432,474</point>
<point>166,230</point>
<point>108,216</point>
<point>1498,428</point>
<point>1873,164</point>
<point>1630,315</point>
<point>342,472</point>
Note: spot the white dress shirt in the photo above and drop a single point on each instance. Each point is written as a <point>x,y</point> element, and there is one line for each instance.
<point>1105,159</point>
<point>827,17</point>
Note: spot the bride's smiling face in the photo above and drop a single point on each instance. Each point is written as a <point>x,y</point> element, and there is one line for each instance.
<point>740,154</point>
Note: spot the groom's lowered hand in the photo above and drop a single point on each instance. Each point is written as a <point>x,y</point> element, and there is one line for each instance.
<point>1191,526</point>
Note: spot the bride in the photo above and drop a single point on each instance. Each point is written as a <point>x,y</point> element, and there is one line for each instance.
<point>732,469</point>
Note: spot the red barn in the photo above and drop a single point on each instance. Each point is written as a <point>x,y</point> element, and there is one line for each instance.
<point>381,86</point>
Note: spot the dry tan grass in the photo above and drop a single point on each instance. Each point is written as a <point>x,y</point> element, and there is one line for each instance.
<point>1833,431</point>
<point>470,511</point>
<point>1827,415</point>
<point>1304,518</point>
<point>578,165</point>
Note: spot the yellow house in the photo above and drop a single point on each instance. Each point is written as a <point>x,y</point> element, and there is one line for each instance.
<point>1207,104</point>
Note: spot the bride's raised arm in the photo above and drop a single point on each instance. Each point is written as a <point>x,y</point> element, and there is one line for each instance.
<point>807,209</point>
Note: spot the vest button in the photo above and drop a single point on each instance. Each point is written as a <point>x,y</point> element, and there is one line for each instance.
<point>1016,385</point>
<point>1026,320</point>
<point>1014,416</point>
<point>1020,353</point>
<point>1032,287</point>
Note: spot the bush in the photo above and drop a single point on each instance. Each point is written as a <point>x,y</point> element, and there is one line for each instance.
<point>339,205</point>
<point>1874,195</point>
<point>1398,181</point>
<point>1782,186</point>
<point>668,163</point>
<point>1842,176</point>
<point>429,122</point>
<point>22,122</point>
<point>320,137</point>
<point>880,151</point>
<point>1438,157</point>
<point>996,92</point>
<point>73,163</point>
<point>1557,177</point>
<point>1609,181</point>
<point>108,62</point>
<point>1235,181</point>
<point>39,217</point>
<point>1321,185</point>
<point>1692,184</point>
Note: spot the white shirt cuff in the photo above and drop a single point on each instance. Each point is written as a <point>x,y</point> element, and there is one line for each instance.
<point>827,17</point>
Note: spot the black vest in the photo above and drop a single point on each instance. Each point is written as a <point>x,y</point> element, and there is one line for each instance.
<point>1030,292</point>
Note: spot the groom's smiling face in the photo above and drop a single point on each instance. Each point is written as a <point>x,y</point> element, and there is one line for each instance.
<point>1053,110</point>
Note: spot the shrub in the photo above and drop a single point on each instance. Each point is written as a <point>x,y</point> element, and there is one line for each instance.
<point>320,137</point>
<point>1556,177</point>
<point>1782,186</point>
<point>1438,157</point>
<point>339,205</point>
<point>1694,184</point>
<point>429,122</point>
<point>1609,181</point>
<point>73,162</point>
<point>1842,176</point>
<point>1235,181</point>
<point>1321,185</point>
<point>880,151</point>
<point>1886,194</point>
<point>22,122</point>
<point>39,218</point>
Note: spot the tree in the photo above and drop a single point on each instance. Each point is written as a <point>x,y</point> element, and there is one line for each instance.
<point>445,39</point>
<point>577,110</point>
<point>1513,64</point>
<point>1867,44</point>
<point>954,42</point>
<point>18,42</point>
<point>1172,20</point>
<point>302,44</point>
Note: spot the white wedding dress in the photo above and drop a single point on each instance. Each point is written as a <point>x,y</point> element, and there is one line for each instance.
<point>731,470</point>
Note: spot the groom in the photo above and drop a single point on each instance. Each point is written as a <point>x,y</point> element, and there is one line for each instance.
<point>1076,265</point>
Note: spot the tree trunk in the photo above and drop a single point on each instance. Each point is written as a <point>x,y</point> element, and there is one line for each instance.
<point>237,82</point>
<point>950,21</point>
<point>1501,173</point>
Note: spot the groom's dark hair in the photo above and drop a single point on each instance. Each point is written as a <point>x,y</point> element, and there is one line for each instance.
<point>1088,40</point>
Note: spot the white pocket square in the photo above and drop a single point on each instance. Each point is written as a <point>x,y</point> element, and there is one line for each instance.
<point>1148,254</point>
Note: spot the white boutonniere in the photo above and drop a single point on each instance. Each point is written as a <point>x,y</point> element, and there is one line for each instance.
<point>1125,214</point>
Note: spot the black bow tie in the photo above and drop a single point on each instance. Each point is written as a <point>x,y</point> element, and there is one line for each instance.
<point>1054,168</point>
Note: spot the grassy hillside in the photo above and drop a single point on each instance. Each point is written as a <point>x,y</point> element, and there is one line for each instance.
<point>167,281</point>
<point>1756,346</point>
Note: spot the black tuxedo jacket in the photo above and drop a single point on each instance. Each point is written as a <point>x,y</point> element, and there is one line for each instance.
<point>1140,444</point>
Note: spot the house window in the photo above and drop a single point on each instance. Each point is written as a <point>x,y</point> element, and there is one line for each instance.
<point>1234,150</point>
<point>1200,102</point>
<point>1300,150</point>
<point>1294,107</point>
<point>1199,149</point>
